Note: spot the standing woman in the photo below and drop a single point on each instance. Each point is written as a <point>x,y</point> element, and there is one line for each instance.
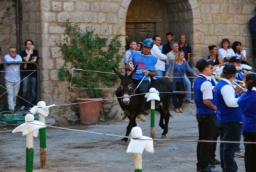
<point>247,104</point>
<point>180,66</point>
<point>225,51</point>
<point>214,56</point>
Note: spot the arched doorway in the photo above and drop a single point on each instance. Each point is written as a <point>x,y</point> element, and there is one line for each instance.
<point>158,17</point>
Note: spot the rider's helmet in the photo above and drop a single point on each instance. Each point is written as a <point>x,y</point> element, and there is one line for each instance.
<point>148,43</point>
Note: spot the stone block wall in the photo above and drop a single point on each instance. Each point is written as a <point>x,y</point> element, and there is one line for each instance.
<point>106,17</point>
<point>31,23</point>
<point>7,25</point>
<point>218,19</point>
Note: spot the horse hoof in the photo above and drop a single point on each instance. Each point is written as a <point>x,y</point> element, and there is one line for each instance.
<point>163,136</point>
<point>124,139</point>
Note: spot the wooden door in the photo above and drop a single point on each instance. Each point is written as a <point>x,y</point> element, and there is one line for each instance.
<point>138,31</point>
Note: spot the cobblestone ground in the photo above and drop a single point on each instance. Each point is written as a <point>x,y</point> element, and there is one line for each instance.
<point>70,151</point>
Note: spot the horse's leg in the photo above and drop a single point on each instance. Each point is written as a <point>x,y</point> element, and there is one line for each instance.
<point>131,124</point>
<point>161,121</point>
<point>166,115</point>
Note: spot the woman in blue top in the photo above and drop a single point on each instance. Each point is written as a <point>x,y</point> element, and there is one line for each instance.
<point>180,68</point>
<point>247,103</point>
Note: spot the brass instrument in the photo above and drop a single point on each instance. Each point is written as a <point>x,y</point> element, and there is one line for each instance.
<point>248,72</point>
<point>242,83</point>
<point>238,83</point>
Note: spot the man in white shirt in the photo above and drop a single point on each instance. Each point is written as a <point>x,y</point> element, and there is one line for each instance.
<point>12,76</point>
<point>155,51</point>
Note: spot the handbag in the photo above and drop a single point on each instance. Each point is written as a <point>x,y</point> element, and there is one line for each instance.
<point>172,72</point>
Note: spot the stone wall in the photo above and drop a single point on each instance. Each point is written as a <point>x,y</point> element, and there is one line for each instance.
<point>214,20</point>
<point>31,23</point>
<point>106,17</point>
<point>7,25</point>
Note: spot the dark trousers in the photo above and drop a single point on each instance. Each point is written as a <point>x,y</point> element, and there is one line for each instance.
<point>177,98</point>
<point>229,131</point>
<point>250,152</point>
<point>254,51</point>
<point>206,127</point>
<point>214,145</point>
<point>143,87</point>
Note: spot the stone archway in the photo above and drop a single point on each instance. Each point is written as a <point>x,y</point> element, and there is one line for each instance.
<point>162,16</point>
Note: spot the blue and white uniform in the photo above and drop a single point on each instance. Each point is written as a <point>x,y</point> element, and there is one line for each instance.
<point>247,103</point>
<point>205,117</point>
<point>229,117</point>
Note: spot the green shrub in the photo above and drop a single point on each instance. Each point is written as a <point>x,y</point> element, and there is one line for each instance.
<point>89,51</point>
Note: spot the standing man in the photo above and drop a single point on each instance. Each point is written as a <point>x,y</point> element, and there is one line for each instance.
<point>183,46</point>
<point>171,56</point>
<point>168,46</point>
<point>12,77</point>
<point>205,114</point>
<point>155,51</point>
<point>228,117</point>
<point>252,25</point>
<point>29,75</point>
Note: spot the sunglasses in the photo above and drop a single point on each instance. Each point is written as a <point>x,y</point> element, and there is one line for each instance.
<point>146,47</point>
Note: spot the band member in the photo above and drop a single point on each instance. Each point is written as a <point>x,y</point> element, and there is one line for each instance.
<point>247,103</point>
<point>205,113</point>
<point>236,61</point>
<point>212,157</point>
<point>229,117</point>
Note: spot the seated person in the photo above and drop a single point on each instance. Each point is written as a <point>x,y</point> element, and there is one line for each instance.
<point>225,51</point>
<point>238,49</point>
<point>214,56</point>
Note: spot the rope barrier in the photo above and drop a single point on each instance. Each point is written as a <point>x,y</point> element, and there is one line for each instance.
<point>165,140</point>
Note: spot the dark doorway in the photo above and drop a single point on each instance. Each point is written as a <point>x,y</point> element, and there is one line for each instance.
<point>139,30</point>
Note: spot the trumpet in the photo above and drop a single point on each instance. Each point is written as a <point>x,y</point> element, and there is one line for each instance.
<point>238,83</point>
<point>248,72</point>
<point>241,83</point>
<point>235,82</point>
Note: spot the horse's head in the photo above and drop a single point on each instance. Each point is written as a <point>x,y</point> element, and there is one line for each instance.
<point>126,85</point>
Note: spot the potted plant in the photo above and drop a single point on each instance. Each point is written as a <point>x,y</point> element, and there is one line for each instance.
<point>92,55</point>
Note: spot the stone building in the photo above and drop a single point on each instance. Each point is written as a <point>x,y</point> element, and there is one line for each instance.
<point>205,22</point>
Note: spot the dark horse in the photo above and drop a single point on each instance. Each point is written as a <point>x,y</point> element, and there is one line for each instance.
<point>129,102</point>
